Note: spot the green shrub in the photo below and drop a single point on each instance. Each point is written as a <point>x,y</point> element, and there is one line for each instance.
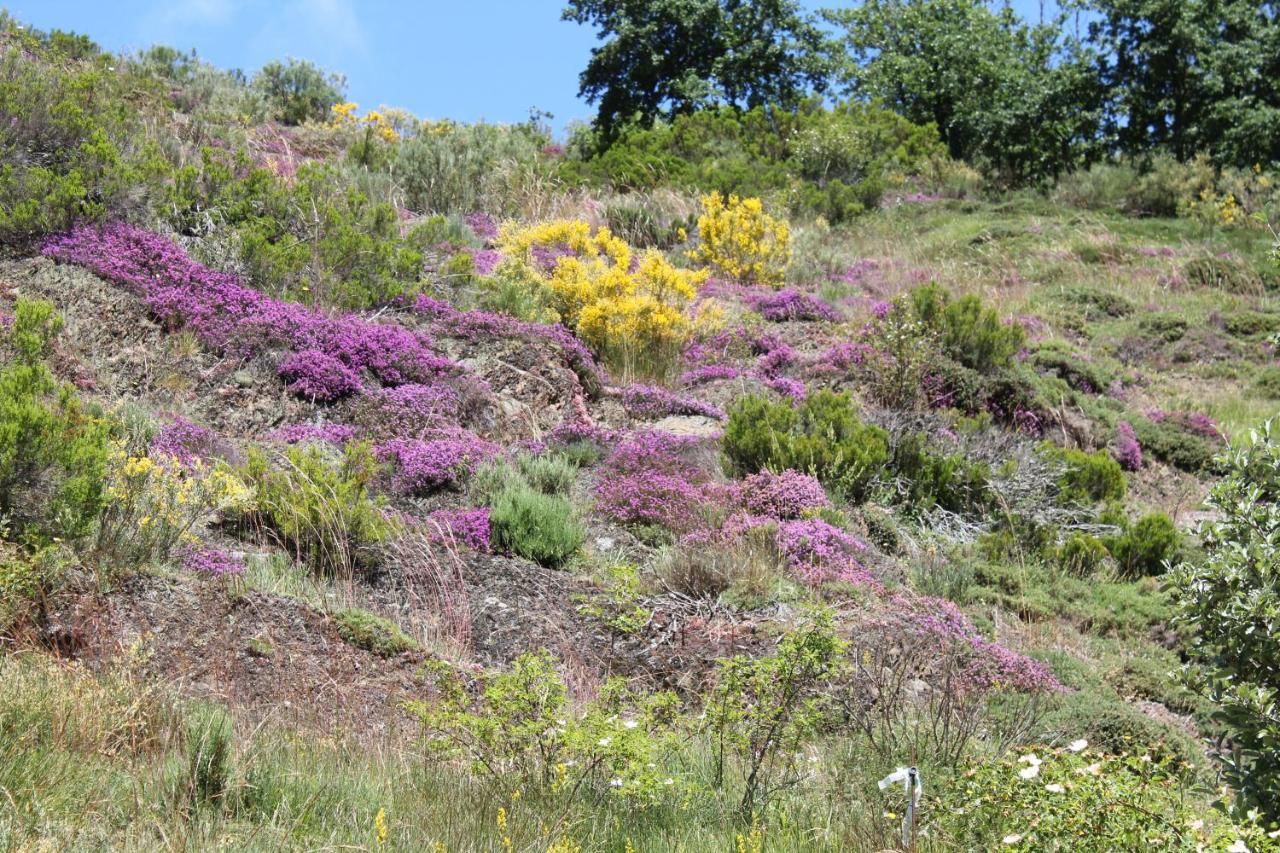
<point>207,775</point>
<point>1055,359</point>
<point>53,452</point>
<point>372,633</point>
<point>1088,477</point>
<point>1247,324</point>
<point>1082,555</point>
<point>970,333</point>
<point>319,508</point>
<point>1222,273</point>
<point>1228,604</point>
<point>25,580</point>
<point>926,479</point>
<point>1143,547</point>
<point>460,168</point>
<point>1097,304</point>
<point>1165,327</point>
<point>1266,382</point>
<point>1112,724</point>
<point>540,527</point>
<point>298,90</point>
<point>551,474</point>
<point>822,436</point>
<point>1172,444</point>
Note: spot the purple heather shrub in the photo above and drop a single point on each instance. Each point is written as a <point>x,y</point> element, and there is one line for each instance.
<point>859,273</point>
<point>229,317</point>
<point>411,409</point>
<point>790,304</point>
<point>425,465</point>
<point>775,359</point>
<point>709,373</point>
<point>783,496</point>
<point>654,497</point>
<point>184,441</point>
<point>841,358</point>
<point>817,543</point>
<point>483,226</point>
<point>881,309</point>
<point>787,387</point>
<point>331,433</point>
<point>815,551</point>
<point>317,376</point>
<point>546,258</point>
<point>485,261</point>
<point>653,401</point>
<point>211,562</point>
<point>1192,422</point>
<point>468,527</point>
<point>1126,450</point>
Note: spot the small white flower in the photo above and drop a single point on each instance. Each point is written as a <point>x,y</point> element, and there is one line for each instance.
<point>616,782</point>
<point>1030,758</point>
<point>1094,769</point>
<point>1078,745</point>
<point>1197,824</point>
<point>630,724</point>
<point>1029,772</point>
<point>1012,839</point>
<point>1238,846</point>
<point>668,781</point>
<point>604,741</point>
<point>1054,788</point>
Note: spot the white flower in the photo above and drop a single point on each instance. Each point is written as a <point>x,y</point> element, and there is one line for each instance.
<point>1030,758</point>
<point>668,781</point>
<point>1238,846</point>
<point>604,741</point>
<point>1197,824</point>
<point>1029,772</point>
<point>1054,788</point>
<point>630,724</point>
<point>616,782</point>
<point>1012,839</point>
<point>1078,745</point>
<point>1094,769</point>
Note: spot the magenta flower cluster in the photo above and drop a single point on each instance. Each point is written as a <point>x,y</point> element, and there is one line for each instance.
<point>787,495</point>
<point>1192,422</point>
<point>212,562</point>
<point>789,304</point>
<point>410,410</point>
<point>482,225</point>
<point>184,441</point>
<point>709,373</point>
<point>332,433</point>
<point>653,401</point>
<point>425,465</point>
<point>648,479</point>
<point>230,317</point>
<point>1125,449</point>
<point>317,376</point>
<point>468,527</point>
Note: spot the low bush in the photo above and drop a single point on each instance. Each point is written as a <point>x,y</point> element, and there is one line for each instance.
<point>1227,274</point>
<point>371,632</point>
<point>1082,555</point>
<point>1144,547</point>
<point>320,508</point>
<point>1172,443</point>
<point>1088,477</point>
<point>926,479</point>
<point>969,332</point>
<point>1266,383</point>
<point>822,436</point>
<point>540,527</point>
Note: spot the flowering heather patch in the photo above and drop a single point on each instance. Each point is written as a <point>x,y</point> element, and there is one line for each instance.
<point>988,665</point>
<point>778,356</point>
<point>485,261</point>
<point>212,562</point>
<point>783,496</point>
<point>230,317</point>
<point>816,543</point>
<point>332,433</point>
<point>858,274</point>
<point>486,325</point>
<point>790,304</point>
<point>842,357</point>
<point>1192,422</point>
<point>411,409</point>
<point>653,401</point>
<point>709,373</point>
<point>647,479</point>
<point>483,226</point>
<point>316,376</point>
<point>423,466</point>
<point>185,441</point>
<point>1126,450</point>
<point>787,387</point>
<point>468,527</point>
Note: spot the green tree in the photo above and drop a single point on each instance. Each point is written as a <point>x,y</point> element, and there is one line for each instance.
<point>1230,605</point>
<point>1017,99</point>
<point>299,90</point>
<point>670,57</point>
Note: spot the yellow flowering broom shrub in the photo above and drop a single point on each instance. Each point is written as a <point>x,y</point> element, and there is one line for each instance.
<point>741,241</point>
<point>155,504</point>
<point>630,311</point>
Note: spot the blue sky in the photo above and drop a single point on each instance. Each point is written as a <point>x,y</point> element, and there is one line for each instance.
<point>460,59</point>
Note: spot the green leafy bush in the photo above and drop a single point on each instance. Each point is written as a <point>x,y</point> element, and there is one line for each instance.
<point>970,332</point>
<point>53,452</point>
<point>1088,477</point>
<point>1144,547</point>
<point>543,528</point>
<point>371,632</point>
<point>1266,383</point>
<point>1171,443</point>
<point>298,90</point>
<point>1082,555</point>
<point>320,508</point>
<point>1228,603</point>
<point>927,479</point>
<point>822,436</point>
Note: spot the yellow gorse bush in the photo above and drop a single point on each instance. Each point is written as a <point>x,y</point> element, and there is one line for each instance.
<point>344,115</point>
<point>629,310</point>
<point>738,239</point>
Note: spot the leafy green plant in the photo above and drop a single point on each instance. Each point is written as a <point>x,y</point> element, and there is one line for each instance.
<point>1226,603</point>
<point>1143,547</point>
<point>322,510</point>
<point>761,711</point>
<point>1088,477</point>
<point>541,527</point>
<point>1082,555</point>
<point>298,90</point>
<point>969,332</point>
<point>822,436</point>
